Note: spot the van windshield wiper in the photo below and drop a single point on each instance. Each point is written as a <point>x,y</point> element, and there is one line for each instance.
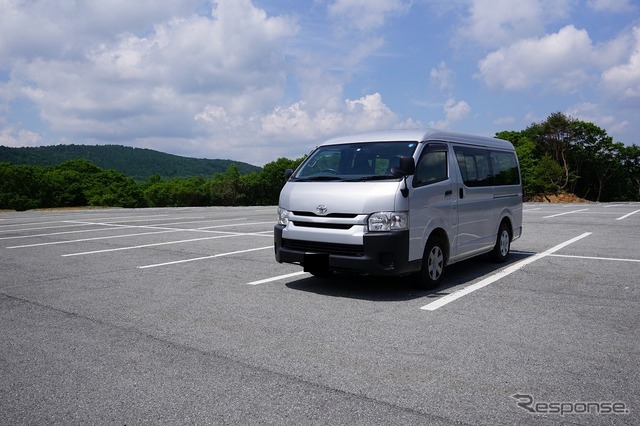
<point>374,177</point>
<point>319,179</point>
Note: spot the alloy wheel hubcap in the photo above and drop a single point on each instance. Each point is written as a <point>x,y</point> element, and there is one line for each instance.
<point>434,265</point>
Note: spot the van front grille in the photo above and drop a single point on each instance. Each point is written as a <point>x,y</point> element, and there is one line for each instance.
<point>336,215</point>
<point>318,247</point>
<point>323,225</point>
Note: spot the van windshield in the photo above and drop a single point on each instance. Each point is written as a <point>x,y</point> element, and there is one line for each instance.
<point>355,161</point>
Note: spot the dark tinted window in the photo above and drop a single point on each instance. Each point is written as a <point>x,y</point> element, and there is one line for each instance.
<point>505,168</point>
<point>432,166</point>
<point>475,166</point>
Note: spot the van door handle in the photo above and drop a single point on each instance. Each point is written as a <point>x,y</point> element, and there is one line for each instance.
<point>461,193</point>
<point>448,192</point>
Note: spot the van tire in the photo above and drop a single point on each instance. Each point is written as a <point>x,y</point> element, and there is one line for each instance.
<point>503,244</point>
<point>433,263</point>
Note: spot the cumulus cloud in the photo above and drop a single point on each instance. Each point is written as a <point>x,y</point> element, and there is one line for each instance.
<point>44,28</point>
<point>194,83</point>
<point>454,111</point>
<point>623,80</point>
<point>10,136</point>
<point>493,23</point>
<point>153,84</point>
<point>594,113</point>
<point>300,125</point>
<point>556,61</point>
<point>442,77</point>
<point>566,62</point>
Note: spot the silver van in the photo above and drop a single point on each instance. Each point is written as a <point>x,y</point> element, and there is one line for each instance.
<point>399,202</point>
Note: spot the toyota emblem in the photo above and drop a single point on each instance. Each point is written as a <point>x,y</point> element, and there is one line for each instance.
<point>321,209</point>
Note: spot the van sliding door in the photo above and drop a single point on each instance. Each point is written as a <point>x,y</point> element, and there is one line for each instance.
<point>476,227</point>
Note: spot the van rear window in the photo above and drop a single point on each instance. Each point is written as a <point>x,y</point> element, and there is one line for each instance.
<point>483,167</point>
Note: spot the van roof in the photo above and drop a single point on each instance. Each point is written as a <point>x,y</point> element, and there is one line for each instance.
<point>419,135</point>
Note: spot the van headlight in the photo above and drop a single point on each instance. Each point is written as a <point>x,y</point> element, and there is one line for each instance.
<point>388,221</point>
<point>283,216</point>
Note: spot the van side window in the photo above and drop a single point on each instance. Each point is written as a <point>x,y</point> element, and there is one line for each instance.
<point>475,166</point>
<point>431,167</point>
<point>505,168</point>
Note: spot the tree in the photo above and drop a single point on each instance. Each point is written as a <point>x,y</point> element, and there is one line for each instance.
<point>273,178</point>
<point>225,187</point>
<point>554,137</point>
<point>20,186</point>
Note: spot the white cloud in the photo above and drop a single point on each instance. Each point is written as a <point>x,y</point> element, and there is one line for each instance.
<point>295,129</point>
<point>493,23</point>
<point>592,113</point>
<point>556,62</point>
<point>442,77</point>
<point>12,137</point>
<point>154,84</point>
<point>453,113</point>
<point>195,83</point>
<point>62,29</point>
<point>365,15</point>
<point>623,80</point>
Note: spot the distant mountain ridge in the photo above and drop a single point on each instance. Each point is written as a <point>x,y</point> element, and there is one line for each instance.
<point>137,163</point>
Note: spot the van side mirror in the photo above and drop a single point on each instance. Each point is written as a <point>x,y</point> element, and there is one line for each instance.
<point>287,174</point>
<point>407,167</point>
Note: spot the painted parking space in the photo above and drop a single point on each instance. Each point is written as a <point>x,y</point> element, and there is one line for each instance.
<point>558,321</point>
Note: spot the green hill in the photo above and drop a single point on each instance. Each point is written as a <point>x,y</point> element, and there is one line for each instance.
<point>137,163</point>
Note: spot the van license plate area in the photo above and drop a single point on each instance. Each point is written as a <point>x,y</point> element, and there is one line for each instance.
<point>316,262</point>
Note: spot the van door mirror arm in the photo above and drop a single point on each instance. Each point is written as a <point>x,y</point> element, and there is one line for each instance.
<point>407,168</point>
<point>405,191</point>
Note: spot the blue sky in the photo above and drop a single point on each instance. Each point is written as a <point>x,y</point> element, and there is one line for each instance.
<point>255,80</point>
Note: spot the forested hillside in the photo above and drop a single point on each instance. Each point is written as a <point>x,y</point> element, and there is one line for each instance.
<point>137,163</point>
<point>79,182</point>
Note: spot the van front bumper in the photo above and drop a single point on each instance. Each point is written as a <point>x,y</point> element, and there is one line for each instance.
<point>382,253</point>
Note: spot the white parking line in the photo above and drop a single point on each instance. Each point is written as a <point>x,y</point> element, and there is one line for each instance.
<point>89,239</point>
<point>76,223</point>
<point>150,245</point>
<point>562,214</point>
<point>279,277</point>
<point>70,220</point>
<point>627,215</point>
<point>595,258</point>
<point>110,226</point>
<point>501,274</point>
<point>47,227</point>
<point>15,237</point>
<point>236,224</point>
<point>204,257</point>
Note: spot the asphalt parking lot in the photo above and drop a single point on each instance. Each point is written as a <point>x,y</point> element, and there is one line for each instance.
<point>174,316</point>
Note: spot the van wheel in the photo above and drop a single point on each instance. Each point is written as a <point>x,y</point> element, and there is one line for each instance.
<point>503,244</point>
<point>433,263</point>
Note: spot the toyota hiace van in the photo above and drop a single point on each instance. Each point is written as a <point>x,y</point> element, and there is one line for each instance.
<point>400,202</point>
